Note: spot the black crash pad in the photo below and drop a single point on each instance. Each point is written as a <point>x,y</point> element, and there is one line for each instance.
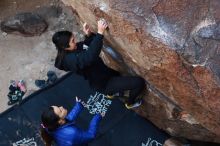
<point>120,127</point>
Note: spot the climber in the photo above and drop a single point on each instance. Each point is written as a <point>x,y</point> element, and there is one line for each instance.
<point>58,126</point>
<point>83,58</point>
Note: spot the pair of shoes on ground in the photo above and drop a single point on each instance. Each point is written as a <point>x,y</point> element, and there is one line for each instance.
<point>52,77</point>
<point>17,90</point>
<point>19,85</point>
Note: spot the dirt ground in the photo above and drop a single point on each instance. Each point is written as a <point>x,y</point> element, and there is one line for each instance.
<point>29,58</point>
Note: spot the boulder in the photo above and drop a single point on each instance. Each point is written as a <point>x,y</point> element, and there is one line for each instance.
<point>175,46</point>
<point>26,24</point>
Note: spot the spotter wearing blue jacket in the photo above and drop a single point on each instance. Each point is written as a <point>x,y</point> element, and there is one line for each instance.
<point>69,135</point>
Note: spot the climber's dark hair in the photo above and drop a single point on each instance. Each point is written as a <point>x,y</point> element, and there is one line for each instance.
<point>50,123</point>
<point>61,40</point>
<point>50,119</point>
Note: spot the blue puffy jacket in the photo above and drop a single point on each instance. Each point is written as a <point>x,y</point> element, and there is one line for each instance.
<point>70,135</point>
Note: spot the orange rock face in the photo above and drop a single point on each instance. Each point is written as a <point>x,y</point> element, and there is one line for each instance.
<point>175,46</point>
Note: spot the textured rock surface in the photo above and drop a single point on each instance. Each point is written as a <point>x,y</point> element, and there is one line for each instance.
<point>175,46</point>
<point>27,24</point>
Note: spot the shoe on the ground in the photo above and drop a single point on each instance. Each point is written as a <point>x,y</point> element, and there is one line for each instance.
<point>12,88</point>
<point>41,83</point>
<point>20,94</point>
<point>136,104</point>
<point>22,86</point>
<point>50,73</point>
<point>52,77</point>
<point>13,98</point>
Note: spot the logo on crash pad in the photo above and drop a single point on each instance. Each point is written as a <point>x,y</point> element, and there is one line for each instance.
<point>98,103</point>
<point>151,142</point>
<point>25,142</point>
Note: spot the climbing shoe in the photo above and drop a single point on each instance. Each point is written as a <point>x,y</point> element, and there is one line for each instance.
<point>52,77</point>
<point>41,83</point>
<point>110,96</point>
<point>136,104</point>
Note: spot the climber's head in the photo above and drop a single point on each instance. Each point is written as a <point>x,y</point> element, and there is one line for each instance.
<point>53,117</point>
<point>64,41</point>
